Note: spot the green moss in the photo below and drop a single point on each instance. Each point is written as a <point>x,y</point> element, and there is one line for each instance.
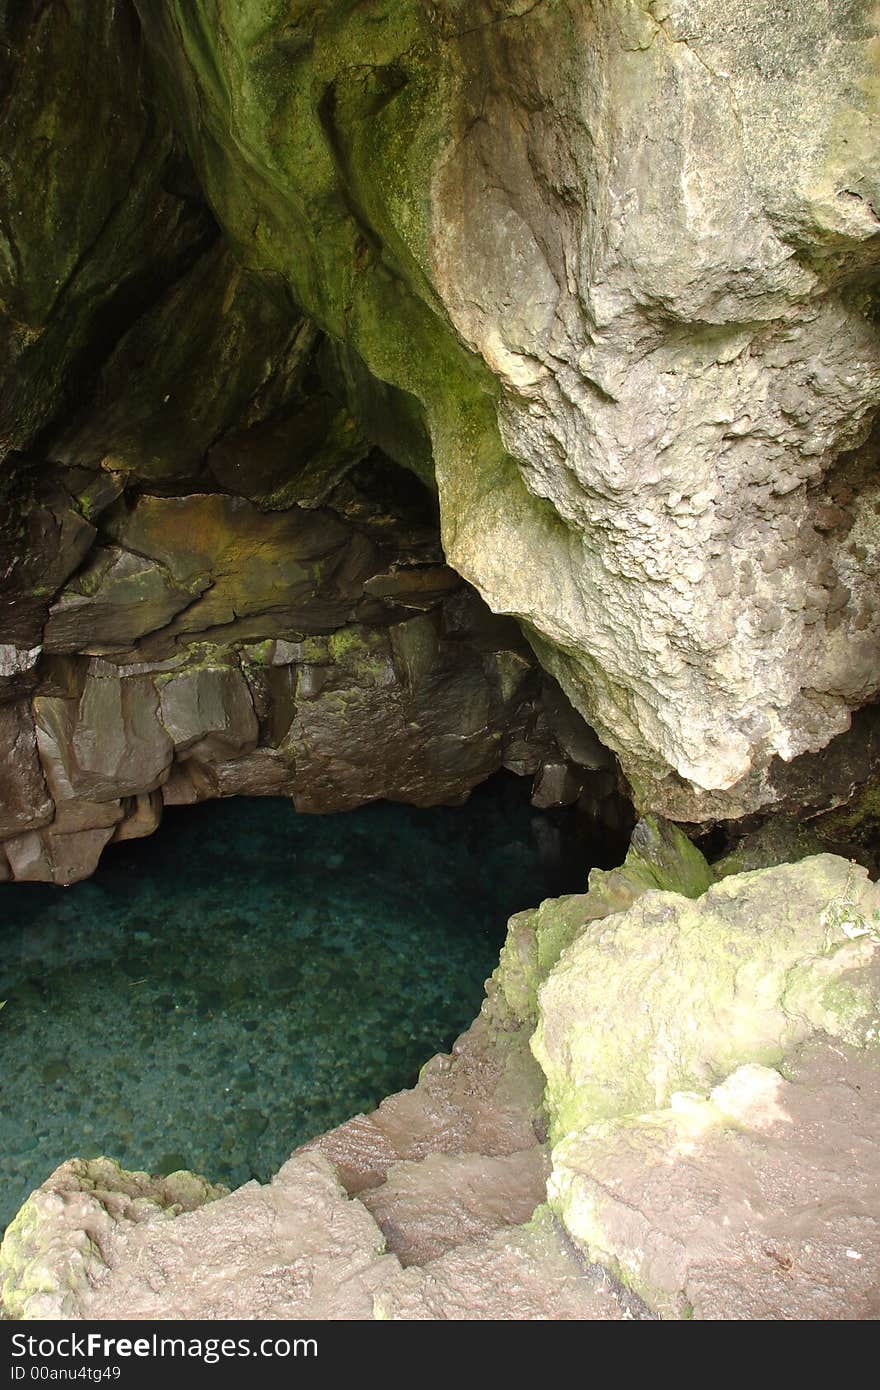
<point>858,820</point>
<point>259,653</point>
<point>660,856</point>
<point>362,652</point>
<point>780,841</point>
<point>675,994</point>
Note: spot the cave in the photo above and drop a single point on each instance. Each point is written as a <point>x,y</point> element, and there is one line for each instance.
<point>439,661</point>
<point>250,977</point>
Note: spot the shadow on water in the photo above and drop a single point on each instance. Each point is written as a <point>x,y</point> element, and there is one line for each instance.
<point>249,977</point>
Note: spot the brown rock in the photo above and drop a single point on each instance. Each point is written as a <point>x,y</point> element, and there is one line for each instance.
<point>110,743</point>
<point>117,598</point>
<point>209,713</point>
<point>24,798</point>
<point>287,569</point>
<point>445,1200</point>
<point>142,816</point>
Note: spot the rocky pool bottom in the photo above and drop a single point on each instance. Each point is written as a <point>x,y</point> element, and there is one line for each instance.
<point>249,977</point>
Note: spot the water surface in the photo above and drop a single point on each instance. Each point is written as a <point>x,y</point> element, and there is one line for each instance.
<point>249,977</point>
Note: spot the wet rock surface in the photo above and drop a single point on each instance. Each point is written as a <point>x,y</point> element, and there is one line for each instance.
<point>207,647</point>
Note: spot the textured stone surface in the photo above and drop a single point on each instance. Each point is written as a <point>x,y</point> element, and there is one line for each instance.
<point>660,856</point>
<point>672,994</point>
<point>58,1243</point>
<point>295,1248</point>
<point>24,798</point>
<point>642,385</point>
<point>757,1201</point>
<point>527,1274</point>
<point>621,254</point>
<point>713,1084</point>
<point>484,1098</point>
<point>119,597</point>
<point>445,1200</point>
<point>605,276</point>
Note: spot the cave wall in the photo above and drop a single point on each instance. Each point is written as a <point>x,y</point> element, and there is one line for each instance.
<point>214,582</point>
<point>601,275</point>
<point>624,255</point>
<point>208,648</point>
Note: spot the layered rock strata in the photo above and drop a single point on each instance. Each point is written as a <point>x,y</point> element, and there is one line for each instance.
<point>205,646</point>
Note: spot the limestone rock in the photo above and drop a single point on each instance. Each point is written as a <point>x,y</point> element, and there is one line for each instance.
<point>757,1201</point>
<point>141,816</point>
<point>208,712</point>
<point>659,856</point>
<point>525,1274</point>
<point>673,995</point>
<point>45,534</point>
<point>649,383</point>
<point>65,857</point>
<point>296,1248</point>
<point>209,647</point>
<point>248,562</point>
<point>712,1087</point>
<point>213,350</point>
<point>56,1247</point>
<point>780,840</point>
<point>442,1201</point>
<point>485,1098</point>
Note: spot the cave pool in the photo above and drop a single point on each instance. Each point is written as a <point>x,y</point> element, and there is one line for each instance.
<point>249,977</point>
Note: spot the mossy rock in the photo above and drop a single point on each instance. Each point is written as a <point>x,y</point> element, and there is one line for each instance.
<point>57,1242</point>
<point>660,855</point>
<point>674,994</point>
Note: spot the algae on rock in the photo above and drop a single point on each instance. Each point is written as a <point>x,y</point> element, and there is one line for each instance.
<point>52,1251</point>
<point>660,856</point>
<point>672,995</point>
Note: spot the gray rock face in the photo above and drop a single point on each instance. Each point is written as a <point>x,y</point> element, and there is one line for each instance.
<point>118,597</point>
<point>653,227</point>
<point>108,743</point>
<point>25,799</point>
<point>689,372</point>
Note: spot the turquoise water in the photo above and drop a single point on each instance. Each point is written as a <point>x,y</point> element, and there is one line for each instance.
<point>249,977</point>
